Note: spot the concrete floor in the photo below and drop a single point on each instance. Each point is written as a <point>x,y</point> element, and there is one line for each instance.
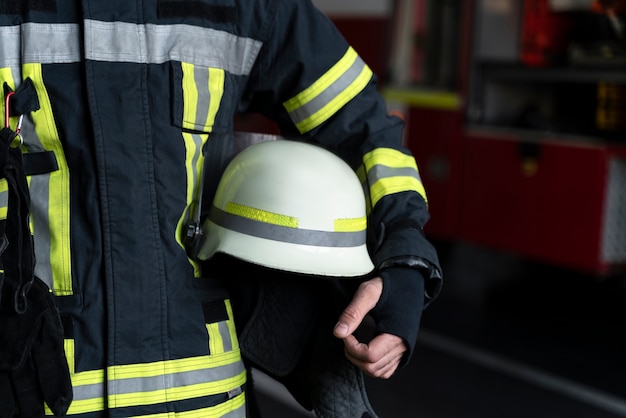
<point>507,338</point>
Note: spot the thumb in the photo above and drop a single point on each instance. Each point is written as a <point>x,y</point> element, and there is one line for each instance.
<point>363,301</point>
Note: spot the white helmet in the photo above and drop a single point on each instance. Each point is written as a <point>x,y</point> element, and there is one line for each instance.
<point>290,206</point>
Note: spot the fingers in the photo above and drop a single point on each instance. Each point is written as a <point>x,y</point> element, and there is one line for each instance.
<point>364,300</point>
<point>380,358</point>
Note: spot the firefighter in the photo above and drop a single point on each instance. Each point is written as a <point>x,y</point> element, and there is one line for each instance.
<point>115,112</point>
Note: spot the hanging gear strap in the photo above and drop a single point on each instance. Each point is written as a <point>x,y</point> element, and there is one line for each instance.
<point>17,257</point>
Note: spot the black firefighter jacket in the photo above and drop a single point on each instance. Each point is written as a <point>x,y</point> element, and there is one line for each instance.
<point>128,96</point>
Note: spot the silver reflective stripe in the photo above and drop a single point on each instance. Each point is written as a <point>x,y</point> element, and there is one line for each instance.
<point>86,392</point>
<point>169,381</point>
<point>44,43</point>
<point>10,47</point>
<point>237,413</point>
<point>379,172</point>
<point>201,77</point>
<point>157,44</point>
<point>329,94</point>
<point>48,43</point>
<point>4,201</point>
<point>225,333</point>
<point>40,211</point>
<point>284,233</point>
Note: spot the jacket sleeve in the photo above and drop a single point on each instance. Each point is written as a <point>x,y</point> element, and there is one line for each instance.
<point>316,87</point>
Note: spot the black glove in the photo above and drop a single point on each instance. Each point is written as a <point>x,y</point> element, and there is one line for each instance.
<point>399,310</point>
<point>33,367</point>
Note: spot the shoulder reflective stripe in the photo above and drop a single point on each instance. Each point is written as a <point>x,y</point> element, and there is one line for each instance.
<point>390,171</point>
<point>39,43</point>
<point>314,105</point>
<point>203,89</point>
<point>4,198</point>
<point>10,46</point>
<point>282,233</point>
<point>48,43</point>
<point>51,194</point>
<point>156,44</point>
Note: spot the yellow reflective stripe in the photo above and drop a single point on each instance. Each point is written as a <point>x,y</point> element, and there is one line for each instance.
<point>338,95</point>
<point>386,187</point>
<point>4,198</point>
<point>203,89</point>
<point>216,342</point>
<point>223,335</point>
<point>390,171</point>
<point>176,393</point>
<point>231,325</point>
<point>261,215</point>
<point>388,157</point>
<point>68,345</point>
<point>158,368</point>
<point>350,224</point>
<point>190,97</point>
<point>89,386</point>
<point>216,91</point>
<point>323,82</point>
<point>194,161</point>
<point>340,100</point>
<point>7,76</point>
<point>59,186</point>
<point>90,381</point>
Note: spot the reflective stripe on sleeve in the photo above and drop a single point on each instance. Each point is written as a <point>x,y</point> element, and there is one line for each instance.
<point>276,227</point>
<point>316,104</point>
<point>390,171</point>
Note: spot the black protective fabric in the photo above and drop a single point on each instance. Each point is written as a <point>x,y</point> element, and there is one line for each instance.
<point>399,309</point>
<point>33,367</point>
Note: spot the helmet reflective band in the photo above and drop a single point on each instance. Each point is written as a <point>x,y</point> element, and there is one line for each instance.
<point>291,206</point>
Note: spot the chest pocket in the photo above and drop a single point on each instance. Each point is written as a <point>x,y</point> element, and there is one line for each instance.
<point>200,103</point>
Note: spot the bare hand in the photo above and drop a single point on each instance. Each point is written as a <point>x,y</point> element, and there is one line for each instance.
<point>382,355</point>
